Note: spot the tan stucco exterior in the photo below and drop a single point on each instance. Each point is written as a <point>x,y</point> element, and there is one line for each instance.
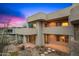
<point>71,12</point>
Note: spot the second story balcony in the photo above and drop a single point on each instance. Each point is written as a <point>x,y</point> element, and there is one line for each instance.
<point>24,31</point>
<point>58,30</point>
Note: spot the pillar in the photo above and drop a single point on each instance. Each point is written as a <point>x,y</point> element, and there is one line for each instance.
<point>24,39</point>
<point>16,37</point>
<point>27,38</point>
<point>40,36</point>
<point>71,38</point>
<point>19,38</point>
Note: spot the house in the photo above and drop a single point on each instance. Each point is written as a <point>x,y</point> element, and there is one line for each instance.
<point>59,27</point>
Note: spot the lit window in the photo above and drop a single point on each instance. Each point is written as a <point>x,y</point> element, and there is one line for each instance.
<point>52,24</point>
<point>62,38</point>
<point>34,25</point>
<point>65,24</point>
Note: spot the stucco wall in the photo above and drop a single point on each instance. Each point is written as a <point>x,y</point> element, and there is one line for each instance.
<point>37,16</point>
<point>24,31</point>
<point>59,30</point>
<point>60,13</point>
<point>74,13</point>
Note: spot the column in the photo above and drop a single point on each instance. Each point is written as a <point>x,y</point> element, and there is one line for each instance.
<point>16,38</point>
<point>24,39</point>
<point>19,39</point>
<point>40,36</point>
<point>71,38</point>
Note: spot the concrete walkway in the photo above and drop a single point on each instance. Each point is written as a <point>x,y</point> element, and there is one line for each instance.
<point>58,47</point>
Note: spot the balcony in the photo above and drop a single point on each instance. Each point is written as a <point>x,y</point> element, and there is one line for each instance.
<point>68,30</point>
<point>24,31</point>
<point>6,31</point>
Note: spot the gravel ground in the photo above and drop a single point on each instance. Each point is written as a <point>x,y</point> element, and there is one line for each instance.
<point>36,51</point>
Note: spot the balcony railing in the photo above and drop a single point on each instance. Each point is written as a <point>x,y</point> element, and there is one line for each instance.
<point>68,30</point>
<point>24,31</point>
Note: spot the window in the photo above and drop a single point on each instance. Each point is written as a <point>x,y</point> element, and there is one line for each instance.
<point>31,25</point>
<point>63,38</point>
<point>34,25</point>
<point>32,38</point>
<point>52,24</point>
<point>65,24</point>
<point>9,30</point>
<point>58,23</point>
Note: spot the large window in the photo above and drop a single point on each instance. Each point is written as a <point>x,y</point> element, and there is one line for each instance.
<point>32,25</point>
<point>65,24</point>
<point>63,38</point>
<point>51,24</point>
<point>54,24</point>
<point>50,38</point>
<point>9,31</point>
<point>32,38</point>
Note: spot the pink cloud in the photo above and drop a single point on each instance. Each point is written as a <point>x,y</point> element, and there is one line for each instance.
<point>14,21</point>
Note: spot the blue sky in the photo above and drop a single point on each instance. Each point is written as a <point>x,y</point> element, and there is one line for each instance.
<point>28,9</point>
<point>18,12</point>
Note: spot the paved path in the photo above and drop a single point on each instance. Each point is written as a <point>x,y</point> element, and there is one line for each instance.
<point>58,47</point>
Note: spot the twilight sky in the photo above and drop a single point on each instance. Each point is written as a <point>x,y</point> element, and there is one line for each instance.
<point>18,12</point>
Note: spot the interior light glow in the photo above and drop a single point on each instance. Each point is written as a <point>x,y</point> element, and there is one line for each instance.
<point>34,25</point>
<point>65,24</point>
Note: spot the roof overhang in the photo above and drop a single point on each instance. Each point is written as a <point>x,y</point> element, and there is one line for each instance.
<point>58,14</point>
<point>37,17</point>
<point>44,17</point>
